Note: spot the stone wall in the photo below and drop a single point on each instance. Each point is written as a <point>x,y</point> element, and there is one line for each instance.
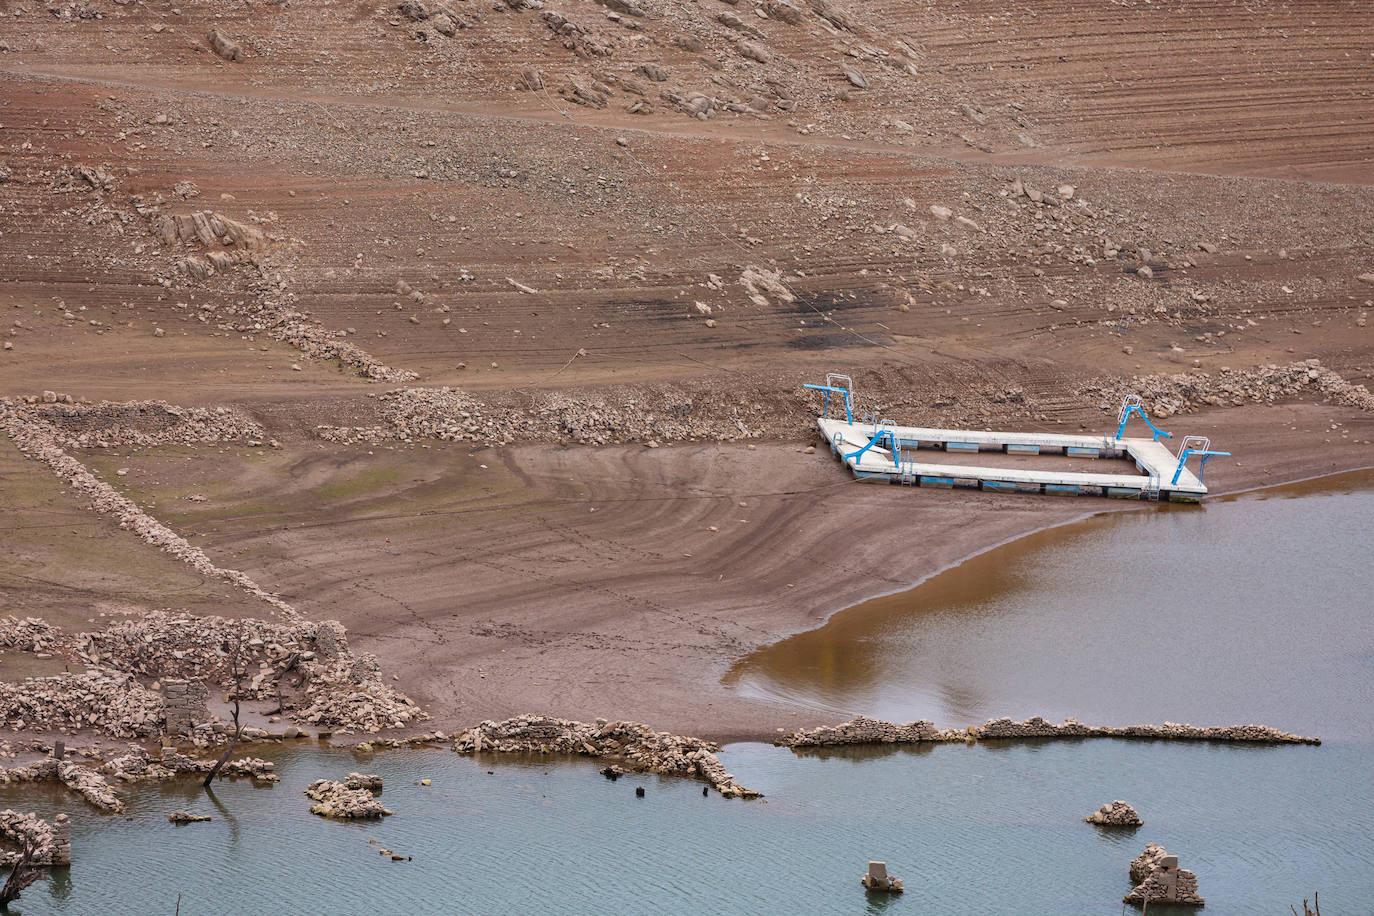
<point>637,745</point>
<point>863,730</point>
<point>187,704</point>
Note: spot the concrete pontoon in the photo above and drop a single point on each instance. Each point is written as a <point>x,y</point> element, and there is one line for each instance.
<point>877,449</point>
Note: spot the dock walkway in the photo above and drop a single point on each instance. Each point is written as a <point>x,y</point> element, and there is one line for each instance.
<point>867,449</point>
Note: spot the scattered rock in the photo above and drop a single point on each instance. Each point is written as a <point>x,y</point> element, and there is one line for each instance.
<point>224,46</point>
<point>855,76</point>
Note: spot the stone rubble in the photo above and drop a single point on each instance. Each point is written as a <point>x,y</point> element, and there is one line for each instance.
<point>140,424</point>
<point>1185,392</point>
<point>1117,814</point>
<point>28,635</point>
<point>309,667</point>
<point>863,730</point>
<point>587,418</point>
<point>335,799</point>
<point>1157,877</point>
<point>139,765</point>
<point>369,781</point>
<point>109,701</point>
<point>637,746</point>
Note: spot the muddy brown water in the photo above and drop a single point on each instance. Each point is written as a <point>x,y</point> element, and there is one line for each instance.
<point>1254,608</point>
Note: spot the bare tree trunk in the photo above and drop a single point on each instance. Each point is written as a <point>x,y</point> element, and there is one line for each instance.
<point>223,758</point>
<point>22,875</point>
<point>236,670</point>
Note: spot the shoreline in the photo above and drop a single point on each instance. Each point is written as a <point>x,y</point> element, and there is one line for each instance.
<point>710,709</point>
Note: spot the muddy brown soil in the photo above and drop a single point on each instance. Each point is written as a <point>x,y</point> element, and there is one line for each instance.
<point>557,209</point>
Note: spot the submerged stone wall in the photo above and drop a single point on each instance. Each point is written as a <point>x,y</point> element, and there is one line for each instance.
<point>637,745</point>
<point>863,730</point>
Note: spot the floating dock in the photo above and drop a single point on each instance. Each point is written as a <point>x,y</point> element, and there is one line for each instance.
<point>879,450</point>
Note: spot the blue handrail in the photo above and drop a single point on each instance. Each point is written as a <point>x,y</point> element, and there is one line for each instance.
<point>1196,445</point>
<point>1127,410</point>
<point>829,389</point>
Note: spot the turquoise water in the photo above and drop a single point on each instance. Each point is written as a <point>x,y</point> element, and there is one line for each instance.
<point>971,830</point>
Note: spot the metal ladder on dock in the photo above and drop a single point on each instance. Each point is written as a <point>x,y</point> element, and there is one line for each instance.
<point>1152,489</point>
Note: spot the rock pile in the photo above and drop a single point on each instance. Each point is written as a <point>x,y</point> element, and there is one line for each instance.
<point>51,843</point>
<point>1166,395</point>
<point>111,424</point>
<point>1117,814</point>
<point>863,730</point>
<point>336,799</point>
<point>1157,878</point>
<point>636,745</point>
<point>28,635</point>
<point>90,785</point>
<point>110,701</point>
<point>271,313</point>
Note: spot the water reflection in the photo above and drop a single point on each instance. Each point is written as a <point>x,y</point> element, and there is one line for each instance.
<point>1247,609</point>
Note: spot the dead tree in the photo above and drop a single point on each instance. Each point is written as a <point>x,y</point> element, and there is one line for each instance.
<point>1314,910</point>
<point>21,876</point>
<point>237,669</point>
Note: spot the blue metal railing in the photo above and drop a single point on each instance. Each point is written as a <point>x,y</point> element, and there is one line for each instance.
<point>1130,404</point>
<point>1195,445</point>
<point>832,386</point>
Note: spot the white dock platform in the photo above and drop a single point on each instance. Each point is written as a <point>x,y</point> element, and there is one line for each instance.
<point>855,445</point>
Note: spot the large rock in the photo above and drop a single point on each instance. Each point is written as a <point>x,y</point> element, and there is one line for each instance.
<point>225,46</point>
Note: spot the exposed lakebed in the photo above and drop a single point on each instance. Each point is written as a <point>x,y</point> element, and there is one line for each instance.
<point>1254,609</point>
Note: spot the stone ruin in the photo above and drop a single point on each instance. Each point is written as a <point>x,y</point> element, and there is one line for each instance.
<point>187,704</point>
<point>1158,878</point>
<point>877,879</point>
<point>52,843</point>
<point>1117,814</point>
